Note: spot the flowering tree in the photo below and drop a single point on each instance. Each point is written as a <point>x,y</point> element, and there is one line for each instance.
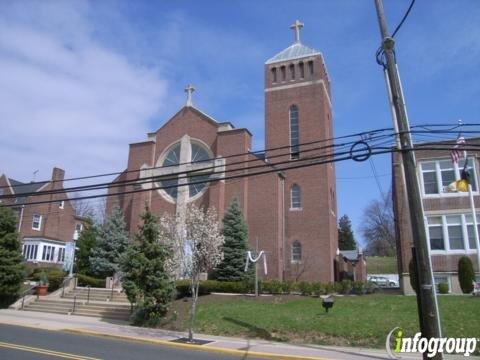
<point>201,250</point>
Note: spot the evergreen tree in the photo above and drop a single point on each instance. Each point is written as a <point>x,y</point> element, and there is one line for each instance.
<point>146,277</point>
<point>112,242</point>
<point>346,241</point>
<point>466,274</point>
<point>11,266</point>
<point>235,231</point>
<point>86,242</point>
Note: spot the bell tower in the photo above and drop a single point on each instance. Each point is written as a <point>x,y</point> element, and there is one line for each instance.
<point>298,111</point>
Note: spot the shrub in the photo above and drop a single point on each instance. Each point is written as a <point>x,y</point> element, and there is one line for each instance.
<point>84,280</point>
<point>466,275</point>
<point>346,286</point>
<point>272,287</point>
<point>330,288</point>
<point>305,288</point>
<point>51,275</point>
<point>370,287</point>
<point>359,287</point>
<point>443,288</point>
<point>318,289</point>
<point>288,286</point>
<point>337,287</point>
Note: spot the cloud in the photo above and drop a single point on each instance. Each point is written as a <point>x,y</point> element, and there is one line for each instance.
<point>67,99</point>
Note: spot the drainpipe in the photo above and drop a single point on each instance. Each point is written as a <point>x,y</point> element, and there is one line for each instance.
<point>20,219</point>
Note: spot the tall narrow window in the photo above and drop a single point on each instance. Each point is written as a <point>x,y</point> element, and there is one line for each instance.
<point>292,72</point>
<point>310,67</point>
<point>296,251</point>
<point>284,73</point>
<point>301,67</point>
<point>37,222</point>
<point>296,200</point>
<point>294,148</point>
<point>274,75</point>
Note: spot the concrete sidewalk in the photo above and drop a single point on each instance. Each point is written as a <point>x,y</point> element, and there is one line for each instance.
<point>234,346</point>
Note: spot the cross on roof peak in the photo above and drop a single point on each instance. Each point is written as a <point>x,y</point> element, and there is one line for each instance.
<point>189,90</point>
<point>296,26</point>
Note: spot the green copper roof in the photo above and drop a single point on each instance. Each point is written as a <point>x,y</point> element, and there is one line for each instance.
<point>295,51</point>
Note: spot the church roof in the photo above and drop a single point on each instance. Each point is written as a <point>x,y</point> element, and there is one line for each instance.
<point>295,51</point>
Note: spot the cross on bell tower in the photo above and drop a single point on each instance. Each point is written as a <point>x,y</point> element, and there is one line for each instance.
<point>297,25</point>
<point>189,90</point>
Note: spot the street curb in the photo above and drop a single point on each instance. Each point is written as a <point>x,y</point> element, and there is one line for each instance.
<point>205,348</point>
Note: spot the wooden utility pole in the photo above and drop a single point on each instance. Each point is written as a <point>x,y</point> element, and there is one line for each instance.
<point>428,314</point>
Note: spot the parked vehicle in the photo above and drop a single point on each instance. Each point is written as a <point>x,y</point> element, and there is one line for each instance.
<point>382,281</point>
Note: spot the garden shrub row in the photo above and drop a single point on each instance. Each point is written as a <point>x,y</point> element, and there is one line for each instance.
<point>85,280</point>
<point>278,287</point>
<point>55,276</point>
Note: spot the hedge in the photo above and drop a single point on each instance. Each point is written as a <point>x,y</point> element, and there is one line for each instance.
<point>55,276</point>
<point>84,280</point>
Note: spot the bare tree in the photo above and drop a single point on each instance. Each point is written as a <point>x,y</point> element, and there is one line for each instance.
<point>379,226</point>
<point>83,207</point>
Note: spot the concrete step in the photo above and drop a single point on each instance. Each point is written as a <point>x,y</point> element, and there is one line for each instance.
<point>95,298</point>
<point>93,305</point>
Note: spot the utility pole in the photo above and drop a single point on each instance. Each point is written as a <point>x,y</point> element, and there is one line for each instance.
<point>428,314</point>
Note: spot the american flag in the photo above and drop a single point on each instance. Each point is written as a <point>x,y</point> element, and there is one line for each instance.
<point>455,154</point>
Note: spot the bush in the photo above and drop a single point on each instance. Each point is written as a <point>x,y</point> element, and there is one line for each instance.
<point>443,288</point>
<point>305,288</point>
<point>208,286</point>
<point>53,275</point>
<point>359,287</point>
<point>272,287</point>
<point>84,280</point>
<point>345,286</point>
<point>370,287</point>
<point>330,288</point>
<point>466,275</point>
<point>288,286</point>
<point>318,289</point>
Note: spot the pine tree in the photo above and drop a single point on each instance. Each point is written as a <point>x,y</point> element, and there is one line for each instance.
<point>86,242</point>
<point>235,231</point>
<point>112,242</point>
<point>346,240</point>
<point>11,266</point>
<point>466,274</point>
<point>146,277</point>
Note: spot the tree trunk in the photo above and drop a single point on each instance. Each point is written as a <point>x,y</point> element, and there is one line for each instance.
<point>194,289</point>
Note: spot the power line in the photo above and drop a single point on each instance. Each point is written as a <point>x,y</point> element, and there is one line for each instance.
<point>403,19</point>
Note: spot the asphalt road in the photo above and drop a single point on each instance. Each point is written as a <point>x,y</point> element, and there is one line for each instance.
<point>27,344</point>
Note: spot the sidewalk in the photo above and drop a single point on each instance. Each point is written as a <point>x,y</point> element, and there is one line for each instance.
<point>233,346</point>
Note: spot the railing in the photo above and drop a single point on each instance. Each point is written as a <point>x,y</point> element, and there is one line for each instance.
<point>74,303</point>
<point>27,292</point>
<point>111,294</point>
<point>66,280</point>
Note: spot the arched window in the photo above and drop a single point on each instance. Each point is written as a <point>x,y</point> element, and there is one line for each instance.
<point>274,75</point>
<point>284,73</point>
<point>292,71</point>
<point>295,195</point>
<point>294,148</point>
<point>296,251</point>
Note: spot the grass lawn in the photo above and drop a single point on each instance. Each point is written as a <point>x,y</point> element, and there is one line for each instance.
<point>354,320</point>
<point>382,265</point>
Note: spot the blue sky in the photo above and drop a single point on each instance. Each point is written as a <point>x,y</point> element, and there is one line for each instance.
<point>80,80</point>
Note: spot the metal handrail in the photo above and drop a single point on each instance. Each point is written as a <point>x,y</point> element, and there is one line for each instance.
<point>74,303</point>
<point>111,294</point>
<point>26,292</point>
<point>63,284</point>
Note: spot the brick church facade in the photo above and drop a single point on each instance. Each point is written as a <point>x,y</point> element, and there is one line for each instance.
<point>291,213</point>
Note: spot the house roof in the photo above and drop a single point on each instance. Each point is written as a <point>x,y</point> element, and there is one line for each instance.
<point>295,51</point>
<point>20,188</point>
<point>351,255</point>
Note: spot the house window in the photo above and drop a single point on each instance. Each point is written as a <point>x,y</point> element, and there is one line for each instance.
<point>453,232</point>
<point>441,279</point>
<point>30,252</point>
<point>284,73</point>
<point>294,148</point>
<point>37,222</point>
<point>435,232</point>
<point>48,253</point>
<point>61,205</point>
<point>438,174</point>
<point>274,75</point>
<point>292,72</point>
<point>296,197</point>
<point>301,67</point>
<point>61,255</point>
<point>296,251</point>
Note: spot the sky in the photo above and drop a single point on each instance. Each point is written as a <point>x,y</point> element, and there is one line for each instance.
<point>80,80</point>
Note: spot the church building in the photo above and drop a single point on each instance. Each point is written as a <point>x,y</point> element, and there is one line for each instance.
<point>287,193</point>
